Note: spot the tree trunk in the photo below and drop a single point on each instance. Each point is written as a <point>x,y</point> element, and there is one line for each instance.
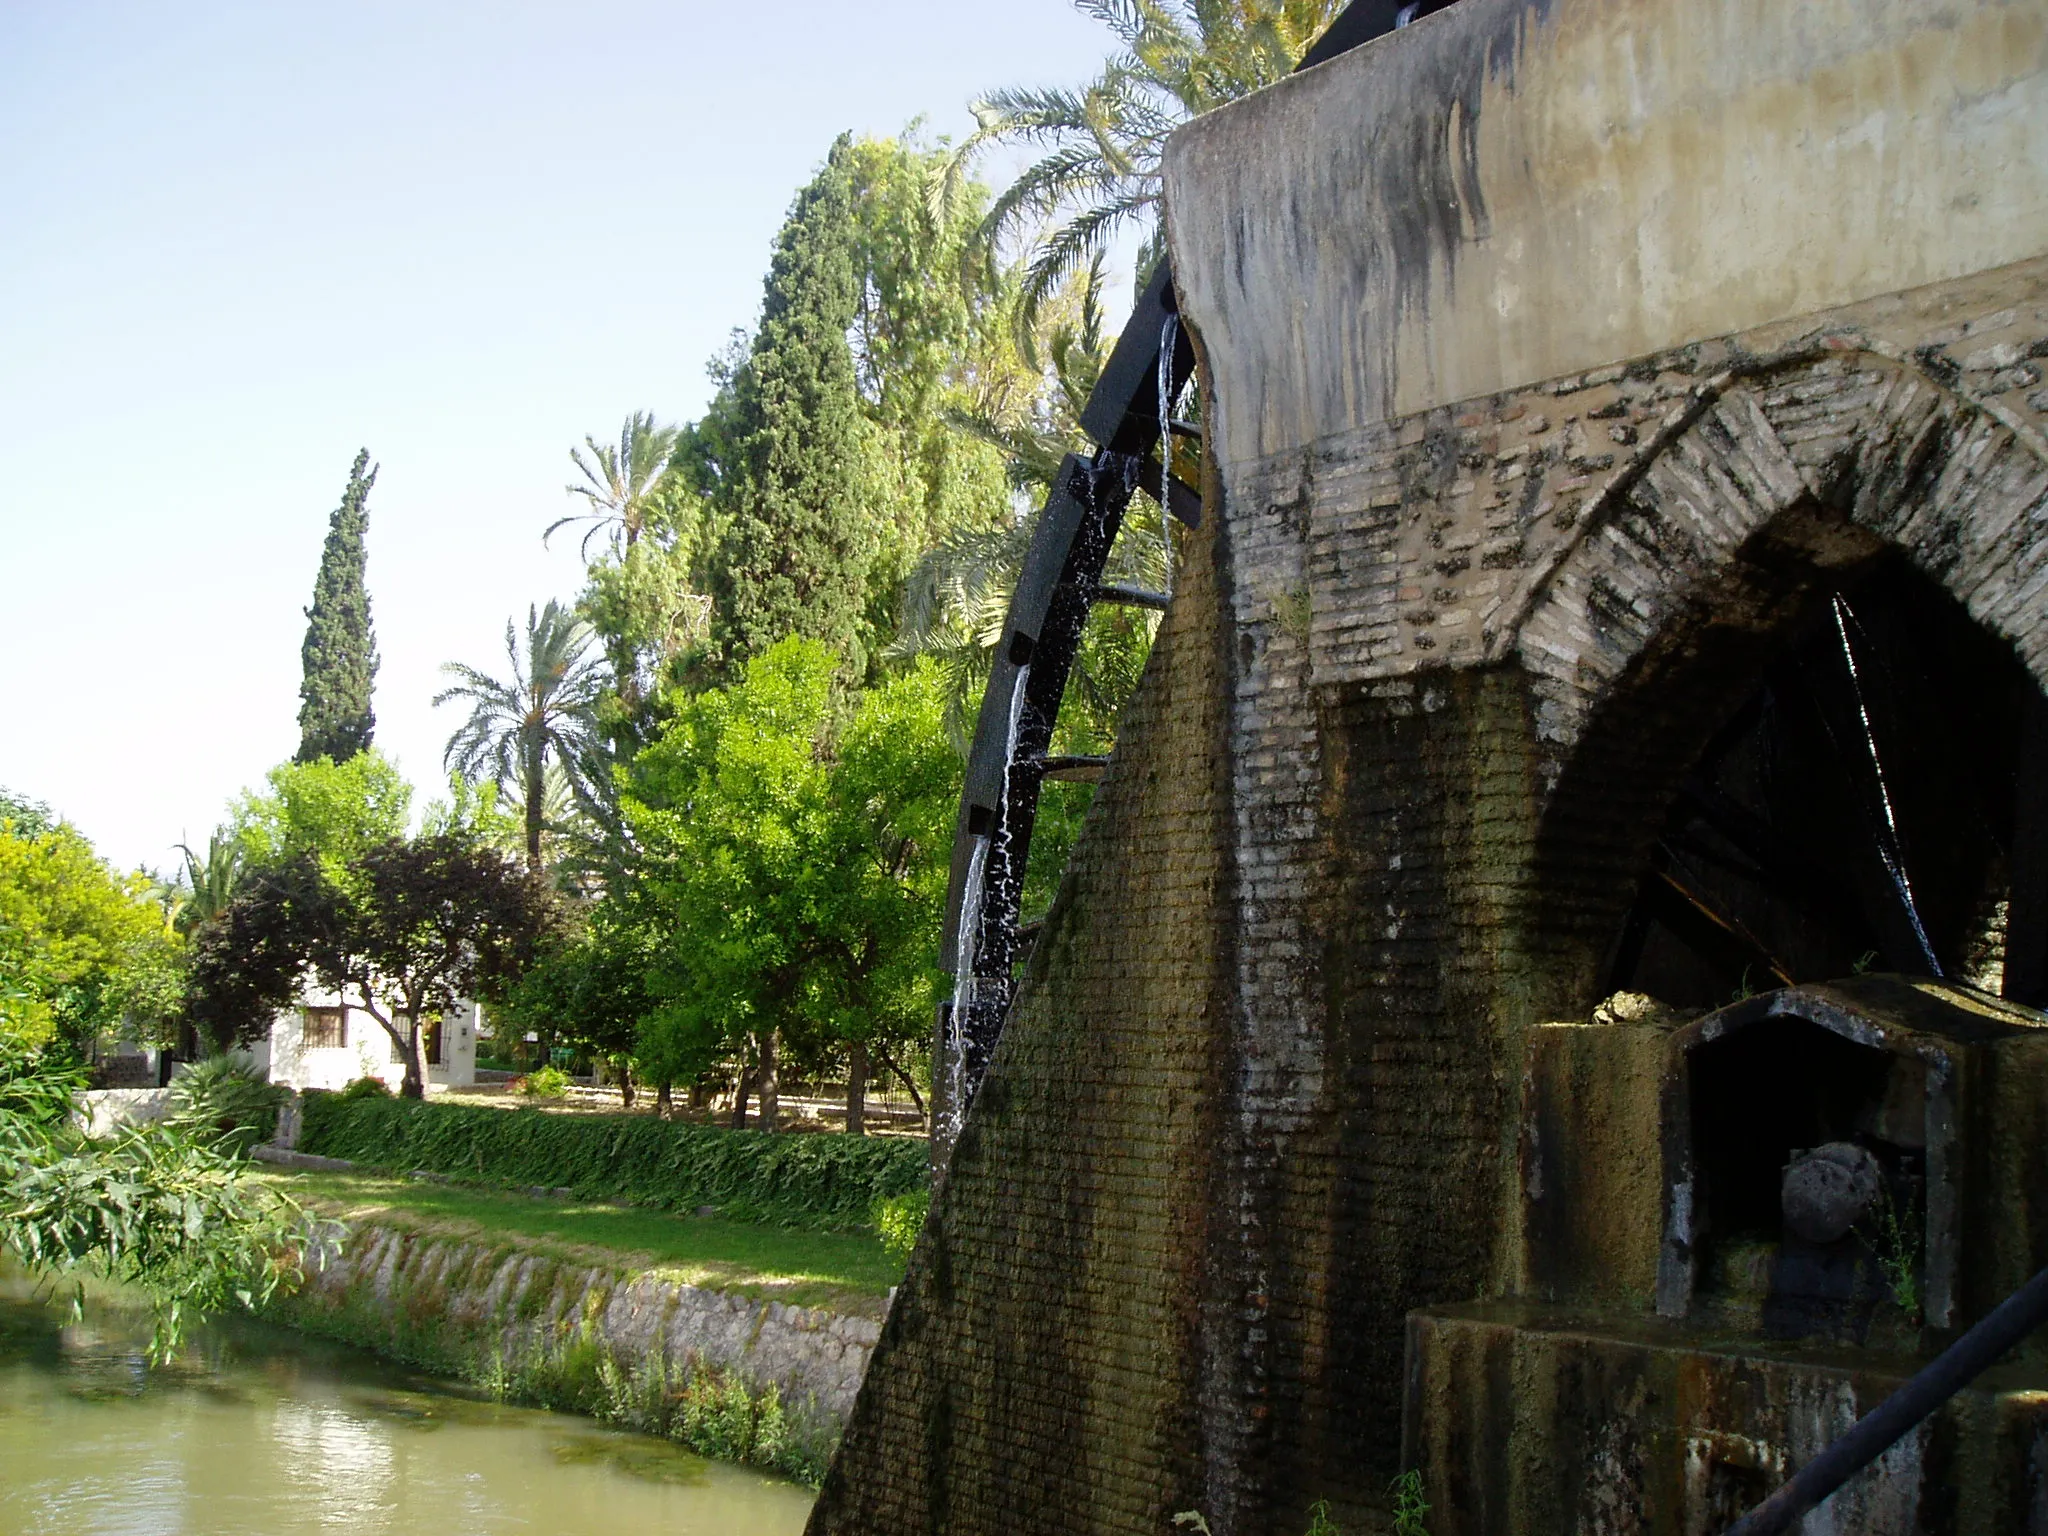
<point>770,1095</point>
<point>664,1098</point>
<point>697,1094</point>
<point>625,1084</point>
<point>536,791</point>
<point>856,1088</point>
<point>740,1090</point>
<point>414,1086</point>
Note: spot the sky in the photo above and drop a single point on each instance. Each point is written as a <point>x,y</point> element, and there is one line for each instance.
<point>239,242</point>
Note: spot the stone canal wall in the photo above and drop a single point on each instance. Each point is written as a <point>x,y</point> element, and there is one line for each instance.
<point>734,1376</point>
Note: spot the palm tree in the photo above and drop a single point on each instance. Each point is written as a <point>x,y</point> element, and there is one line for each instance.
<point>622,484</point>
<point>544,717</point>
<point>1099,173</point>
<point>211,882</point>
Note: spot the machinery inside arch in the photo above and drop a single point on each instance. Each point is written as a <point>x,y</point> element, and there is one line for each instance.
<point>1862,810</point>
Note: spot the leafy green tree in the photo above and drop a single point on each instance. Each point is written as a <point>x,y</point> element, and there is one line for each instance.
<point>340,653</point>
<point>541,718</point>
<point>402,933</point>
<point>730,811</point>
<point>894,789</point>
<point>82,949</point>
<point>1098,173</point>
<point>592,991</point>
<point>930,342</point>
<point>334,810</point>
<point>795,553</point>
<point>794,871</point>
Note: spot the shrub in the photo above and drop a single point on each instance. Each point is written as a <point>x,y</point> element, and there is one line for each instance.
<point>544,1083</point>
<point>225,1097</point>
<point>828,1182</point>
<point>899,1219</point>
<point>366,1088</point>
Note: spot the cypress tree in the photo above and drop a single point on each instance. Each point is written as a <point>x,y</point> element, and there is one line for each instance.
<point>340,655</point>
<point>795,554</point>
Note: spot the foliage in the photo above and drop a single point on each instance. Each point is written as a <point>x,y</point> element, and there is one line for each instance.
<point>624,487</point>
<point>824,1182</point>
<point>1897,1246</point>
<point>1099,173</point>
<point>339,656</point>
<point>402,932</point>
<point>1319,1521</point>
<point>332,810</point>
<point>81,948</point>
<point>593,990</point>
<point>365,1088</point>
<point>1411,1509</point>
<point>211,880</point>
<point>29,818</point>
<point>541,717</point>
<point>544,1083</point>
<point>900,1221</point>
<point>226,1099</point>
<point>794,871</point>
<point>794,555</point>
<point>247,964</point>
<point>158,1207</point>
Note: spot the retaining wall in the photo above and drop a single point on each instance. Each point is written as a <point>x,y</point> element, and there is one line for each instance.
<point>634,1346</point>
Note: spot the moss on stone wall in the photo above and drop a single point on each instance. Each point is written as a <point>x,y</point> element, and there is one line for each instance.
<point>610,1342</point>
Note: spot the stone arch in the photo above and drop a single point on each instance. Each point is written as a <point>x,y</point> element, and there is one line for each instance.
<point>1959,486</point>
<point>1698,558</point>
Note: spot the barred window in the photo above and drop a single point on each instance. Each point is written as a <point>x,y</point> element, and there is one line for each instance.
<point>324,1028</point>
<point>402,1022</point>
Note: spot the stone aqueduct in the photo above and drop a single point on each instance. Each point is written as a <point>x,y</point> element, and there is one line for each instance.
<point>1563,362</point>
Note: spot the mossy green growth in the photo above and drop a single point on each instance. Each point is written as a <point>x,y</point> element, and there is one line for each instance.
<point>554,1356</point>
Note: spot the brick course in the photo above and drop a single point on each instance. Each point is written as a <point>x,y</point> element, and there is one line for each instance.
<point>1379,803</point>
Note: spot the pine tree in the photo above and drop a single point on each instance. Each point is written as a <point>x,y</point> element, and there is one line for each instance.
<point>340,654</point>
<point>795,554</point>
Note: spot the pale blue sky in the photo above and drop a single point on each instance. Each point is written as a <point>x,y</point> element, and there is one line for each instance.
<point>237,242</point>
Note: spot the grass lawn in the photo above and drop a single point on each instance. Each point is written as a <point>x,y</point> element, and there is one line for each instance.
<point>848,1272</point>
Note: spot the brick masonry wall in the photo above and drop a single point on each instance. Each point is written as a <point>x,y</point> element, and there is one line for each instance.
<point>1380,802</point>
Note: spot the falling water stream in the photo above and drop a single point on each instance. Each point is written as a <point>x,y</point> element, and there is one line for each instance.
<point>966,985</point>
<point>252,1429</point>
<point>1169,337</point>
<point>1890,847</point>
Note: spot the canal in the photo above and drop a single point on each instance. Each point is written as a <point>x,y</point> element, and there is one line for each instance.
<point>255,1429</point>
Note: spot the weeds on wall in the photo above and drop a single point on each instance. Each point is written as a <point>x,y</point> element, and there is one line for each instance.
<point>1897,1246</point>
<point>1411,1509</point>
<point>900,1220</point>
<point>828,1183</point>
<point>537,1342</point>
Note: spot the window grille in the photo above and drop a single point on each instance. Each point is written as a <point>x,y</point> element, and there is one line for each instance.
<point>325,1029</point>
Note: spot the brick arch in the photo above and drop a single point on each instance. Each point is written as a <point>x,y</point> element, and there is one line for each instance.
<point>1837,427</point>
<point>1689,567</point>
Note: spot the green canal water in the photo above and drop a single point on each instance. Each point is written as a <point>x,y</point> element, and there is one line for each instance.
<point>260,1430</point>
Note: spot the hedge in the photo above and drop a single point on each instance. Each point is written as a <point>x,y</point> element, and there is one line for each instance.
<point>812,1180</point>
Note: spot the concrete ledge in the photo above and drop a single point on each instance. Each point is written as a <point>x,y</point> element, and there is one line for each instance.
<point>307,1160</point>
<point>1526,1418</point>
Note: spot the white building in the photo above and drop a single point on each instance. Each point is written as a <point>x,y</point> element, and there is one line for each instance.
<point>324,1043</point>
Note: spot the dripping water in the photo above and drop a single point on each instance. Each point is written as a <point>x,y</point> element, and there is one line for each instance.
<point>1169,337</point>
<point>963,988</point>
<point>1890,848</point>
<point>966,984</point>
